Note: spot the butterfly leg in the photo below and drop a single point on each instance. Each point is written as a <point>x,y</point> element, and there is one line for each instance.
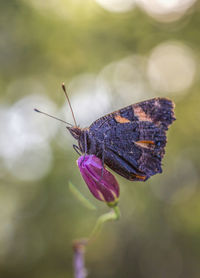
<point>77,149</point>
<point>85,151</point>
<point>102,160</point>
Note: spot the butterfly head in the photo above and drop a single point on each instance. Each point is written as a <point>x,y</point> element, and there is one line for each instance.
<point>75,131</point>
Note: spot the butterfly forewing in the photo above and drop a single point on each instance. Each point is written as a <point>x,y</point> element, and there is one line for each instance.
<point>131,141</point>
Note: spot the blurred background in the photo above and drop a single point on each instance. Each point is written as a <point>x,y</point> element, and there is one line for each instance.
<point>109,53</point>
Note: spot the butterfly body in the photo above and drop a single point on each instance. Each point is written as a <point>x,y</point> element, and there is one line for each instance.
<point>130,141</point>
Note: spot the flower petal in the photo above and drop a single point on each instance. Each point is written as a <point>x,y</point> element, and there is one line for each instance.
<point>102,185</point>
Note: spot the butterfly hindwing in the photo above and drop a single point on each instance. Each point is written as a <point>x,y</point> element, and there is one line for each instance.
<point>131,141</point>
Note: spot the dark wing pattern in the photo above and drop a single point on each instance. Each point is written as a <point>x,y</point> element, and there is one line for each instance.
<point>133,139</point>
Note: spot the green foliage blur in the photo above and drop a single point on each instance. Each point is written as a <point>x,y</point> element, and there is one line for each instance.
<point>88,47</point>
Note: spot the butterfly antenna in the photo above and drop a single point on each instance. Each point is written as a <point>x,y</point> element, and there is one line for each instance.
<point>36,110</point>
<point>64,89</point>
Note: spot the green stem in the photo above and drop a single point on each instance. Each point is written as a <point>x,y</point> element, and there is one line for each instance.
<point>80,245</point>
<point>117,212</point>
<point>109,216</point>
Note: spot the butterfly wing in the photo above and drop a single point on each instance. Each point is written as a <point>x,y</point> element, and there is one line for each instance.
<point>131,140</point>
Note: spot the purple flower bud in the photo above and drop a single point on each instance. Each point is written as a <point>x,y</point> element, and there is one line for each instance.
<point>103,187</point>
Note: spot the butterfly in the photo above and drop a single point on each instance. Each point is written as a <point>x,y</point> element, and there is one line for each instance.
<point>130,141</point>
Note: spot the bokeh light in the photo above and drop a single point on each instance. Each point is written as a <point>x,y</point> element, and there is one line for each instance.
<point>171,68</point>
<point>90,99</point>
<point>117,5</point>
<point>24,138</point>
<point>127,78</point>
<point>59,8</point>
<point>166,10</point>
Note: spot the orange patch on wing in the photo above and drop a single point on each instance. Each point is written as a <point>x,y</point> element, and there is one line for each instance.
<point>140,177</point>
<point>145,143</point>
<point>139,112</point>
<point>134,176</point>
<point>121,119</point>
